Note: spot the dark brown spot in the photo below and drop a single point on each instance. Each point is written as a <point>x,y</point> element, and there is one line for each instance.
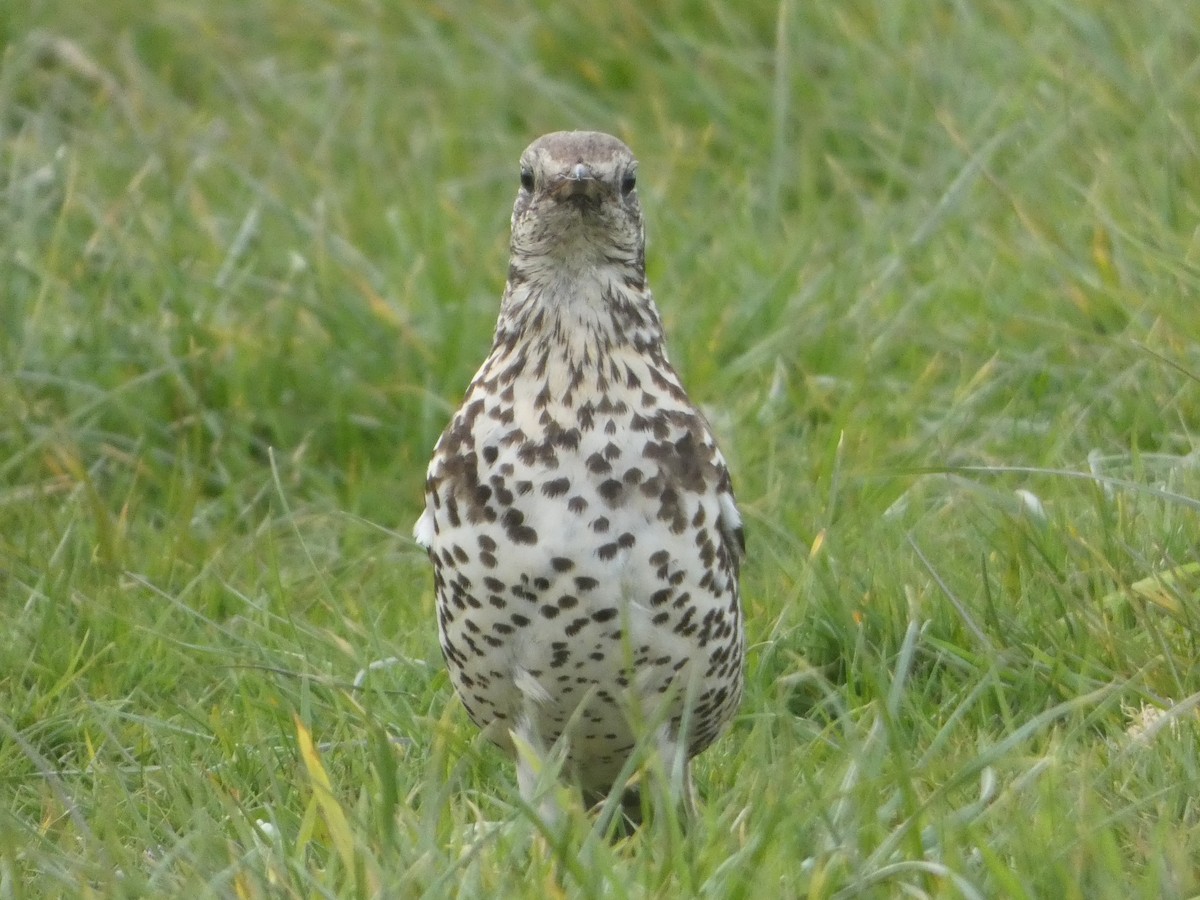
<point>517,531</point>
<point>598,465</point>
<point>566,439</point>
<point>610,490</point>
<point>557,487</point>
<point>516,436</point>
<point>586,416</point>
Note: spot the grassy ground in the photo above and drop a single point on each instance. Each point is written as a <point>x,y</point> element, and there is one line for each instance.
<point>933,269</point>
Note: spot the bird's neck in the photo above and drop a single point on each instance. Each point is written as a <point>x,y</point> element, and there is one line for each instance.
<point>579,310</point>
<point>566,330</point>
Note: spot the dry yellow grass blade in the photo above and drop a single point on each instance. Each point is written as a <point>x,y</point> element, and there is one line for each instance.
<point>332,813</point>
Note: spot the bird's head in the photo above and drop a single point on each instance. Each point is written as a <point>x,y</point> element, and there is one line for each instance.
<point>577,203</point>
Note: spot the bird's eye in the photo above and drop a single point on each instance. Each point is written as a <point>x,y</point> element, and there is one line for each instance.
<point>629,182</point>
<point>526,178</point>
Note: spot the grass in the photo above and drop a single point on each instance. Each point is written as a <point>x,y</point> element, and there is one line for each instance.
<point>933,270</point>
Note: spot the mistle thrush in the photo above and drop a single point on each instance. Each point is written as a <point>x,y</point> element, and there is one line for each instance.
<point>579,516</point>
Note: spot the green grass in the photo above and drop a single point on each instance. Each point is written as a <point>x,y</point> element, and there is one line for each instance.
<point>914,258</point>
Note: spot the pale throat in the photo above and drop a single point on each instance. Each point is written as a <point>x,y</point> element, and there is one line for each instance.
<point>576,328</point>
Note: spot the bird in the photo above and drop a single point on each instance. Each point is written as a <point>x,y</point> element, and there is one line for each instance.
<point>581,521</point>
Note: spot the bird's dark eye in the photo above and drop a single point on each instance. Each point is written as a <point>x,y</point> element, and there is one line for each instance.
<point>526,178</point>
<point>629,182</point>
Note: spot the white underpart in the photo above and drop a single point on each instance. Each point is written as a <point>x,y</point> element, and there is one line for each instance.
<point>423,530</point>
<point>729,512</point>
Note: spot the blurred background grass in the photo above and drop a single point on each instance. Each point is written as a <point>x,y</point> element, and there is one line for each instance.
<point>932,269</point>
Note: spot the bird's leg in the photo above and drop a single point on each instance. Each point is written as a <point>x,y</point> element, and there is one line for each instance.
<point>677,767</point>
<point>537,772</point>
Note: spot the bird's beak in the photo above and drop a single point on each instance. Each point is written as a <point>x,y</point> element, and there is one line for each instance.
<point>578,181</point>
